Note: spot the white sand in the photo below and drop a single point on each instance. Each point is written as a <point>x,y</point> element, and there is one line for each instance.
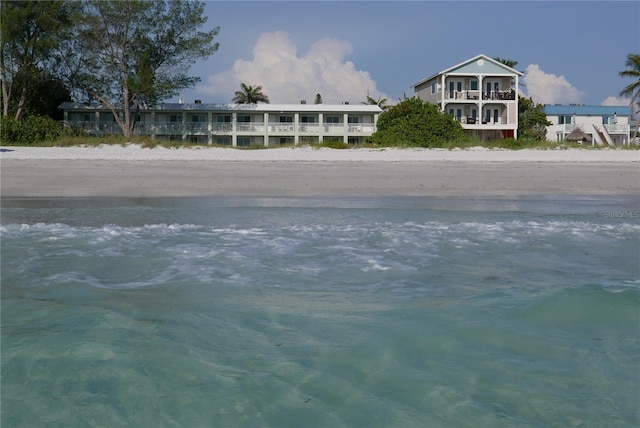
<point>115,171</point>
<point>308,154</point>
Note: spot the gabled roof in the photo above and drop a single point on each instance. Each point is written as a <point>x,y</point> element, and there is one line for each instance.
<point>479,64</point>
<point>584,110</point>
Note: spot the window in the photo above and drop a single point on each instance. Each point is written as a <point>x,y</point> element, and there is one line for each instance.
<point>434,87</point>
<point>223,119</point>
<point>244,119</point>
<point>223,141</point>
<point>308,119</point>
<point>286,119</point>
<point>473,85</point>
<point>564,120</point>
<point>332,119</point>
<point>243,141</point>
<point>86,117</point>
<point>353,119</point>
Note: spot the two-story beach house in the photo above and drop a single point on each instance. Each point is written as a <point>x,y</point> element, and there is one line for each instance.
<point>236,125</point>
<point>481,93</point>
<point>594,125</point>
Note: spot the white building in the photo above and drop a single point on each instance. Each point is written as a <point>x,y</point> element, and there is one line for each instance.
<point>236,125</point>
<point>602,125</point>
<point>481,93</point>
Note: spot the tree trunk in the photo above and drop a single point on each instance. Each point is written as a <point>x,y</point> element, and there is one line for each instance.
<point>126,109</point>
<point>6,86</point>
<point>21,101</point>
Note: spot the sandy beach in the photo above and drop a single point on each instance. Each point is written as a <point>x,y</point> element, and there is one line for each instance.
<point>132,171</point>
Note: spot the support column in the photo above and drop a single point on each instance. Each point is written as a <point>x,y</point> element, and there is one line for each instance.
<point>184,126</point>
<point>345,128</point>
<point>234,129</point>
<point>266,129</point>
<point>152,131</point>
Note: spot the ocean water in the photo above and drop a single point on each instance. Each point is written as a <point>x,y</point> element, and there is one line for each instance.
<point>321,312</point>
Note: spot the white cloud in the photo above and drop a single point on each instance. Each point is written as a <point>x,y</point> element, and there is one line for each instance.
<point>287,77</point>
<point>616,101</point>
<point>547,88</point>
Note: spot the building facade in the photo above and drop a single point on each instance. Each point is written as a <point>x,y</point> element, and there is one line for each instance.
<point>600,125</point>
<point>480,93</point>
<point>237,125</point>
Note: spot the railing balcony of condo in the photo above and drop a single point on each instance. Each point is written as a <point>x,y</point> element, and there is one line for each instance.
<point>612,128</point>
<point>507,95</point>
<point>225,128</point>
<point>483,121</point>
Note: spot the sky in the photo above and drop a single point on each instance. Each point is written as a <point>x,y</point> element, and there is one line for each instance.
<point>569,51</point>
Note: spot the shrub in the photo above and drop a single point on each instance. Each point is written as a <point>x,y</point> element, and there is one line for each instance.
<point>332,144</point>
<point>416,123</point>
<point>29,131</point>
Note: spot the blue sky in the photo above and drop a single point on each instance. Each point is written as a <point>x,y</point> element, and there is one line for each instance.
<point>570,51</point>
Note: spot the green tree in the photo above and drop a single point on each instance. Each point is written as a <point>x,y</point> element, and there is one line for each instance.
<point>532,120</point>
<point>508,62</point>
<point>380,102</point>
<point>250,95</point>
<point>413,122</point>
<point>30,33</point>
<point>128,54</point>
<point>43,95</point>
<point>633,89</point>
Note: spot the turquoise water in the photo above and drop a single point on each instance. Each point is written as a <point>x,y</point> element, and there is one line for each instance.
<point>389,312</point>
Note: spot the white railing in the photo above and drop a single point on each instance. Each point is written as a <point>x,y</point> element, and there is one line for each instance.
<point>618,128</point>
<point>226,128</point>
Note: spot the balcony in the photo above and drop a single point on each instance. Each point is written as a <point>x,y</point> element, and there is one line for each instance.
<point>484,122</point>
<point>507,95</point>
<point>281,127</point>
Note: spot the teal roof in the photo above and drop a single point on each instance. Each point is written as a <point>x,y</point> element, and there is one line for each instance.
<point>583,110</point>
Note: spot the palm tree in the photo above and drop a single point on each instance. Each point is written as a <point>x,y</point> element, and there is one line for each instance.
<point>508,62</point>
<point>380,102</point>
<point>250,95</point>
<point>633,89</point>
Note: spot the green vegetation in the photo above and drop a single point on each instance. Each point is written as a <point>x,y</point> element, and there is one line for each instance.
<point>331,144</point>
<point>532,120</point>
<point>31,131</point>
<point>380,102</point>
<point>415,123</point>
<point>250,95</point>
<point>633,89</point>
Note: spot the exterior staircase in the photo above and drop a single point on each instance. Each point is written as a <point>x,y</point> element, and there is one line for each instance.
<point>603,139</point>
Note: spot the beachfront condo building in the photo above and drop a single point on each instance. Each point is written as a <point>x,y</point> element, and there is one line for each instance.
<point>592,125</point>
<point>480,93</point>
<point>236,125</point>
